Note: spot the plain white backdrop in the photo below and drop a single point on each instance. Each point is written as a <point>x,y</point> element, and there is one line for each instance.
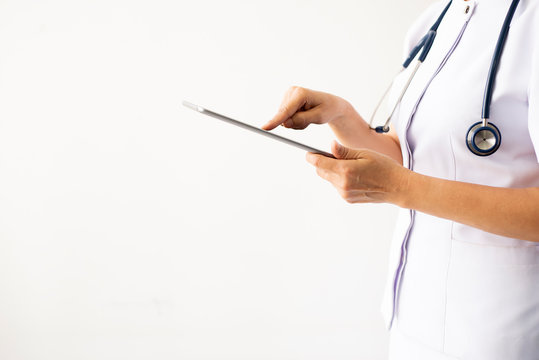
<point>133,228</point>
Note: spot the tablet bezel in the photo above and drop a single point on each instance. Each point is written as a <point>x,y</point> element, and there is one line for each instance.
<point>252,128</point>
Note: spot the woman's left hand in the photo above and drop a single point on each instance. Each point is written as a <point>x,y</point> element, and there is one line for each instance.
<point>362,175</point>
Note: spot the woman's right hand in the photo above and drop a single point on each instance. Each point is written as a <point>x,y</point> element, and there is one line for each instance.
<point>301,107</point>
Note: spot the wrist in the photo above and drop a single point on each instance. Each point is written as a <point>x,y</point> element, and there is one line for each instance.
<point>403,191</point>
<point>344,111</point>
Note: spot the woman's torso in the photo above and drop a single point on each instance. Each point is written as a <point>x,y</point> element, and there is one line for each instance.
<point>456,289</point>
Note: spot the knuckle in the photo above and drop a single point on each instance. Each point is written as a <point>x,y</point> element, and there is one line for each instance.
<point>299,121</point>
<point>346,185</point>
<point>303,123</point>
<point>316,117</point>
<point>289,123</point>
<point>345,195</point>
<point>284,108</point>
<point>299,91</point>
<point>347,172</point>
<point>290,91</point>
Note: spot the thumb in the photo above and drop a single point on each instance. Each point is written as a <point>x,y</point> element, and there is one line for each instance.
<point>342,152</point>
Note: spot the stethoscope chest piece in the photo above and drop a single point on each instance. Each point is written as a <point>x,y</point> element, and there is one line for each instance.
<point>483,139</point>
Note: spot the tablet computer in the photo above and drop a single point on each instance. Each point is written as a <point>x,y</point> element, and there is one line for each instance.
<point>260,131</point>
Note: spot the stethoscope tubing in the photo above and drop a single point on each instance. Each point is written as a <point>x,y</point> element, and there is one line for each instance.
<point>495,63</point>
<point>424,45</point>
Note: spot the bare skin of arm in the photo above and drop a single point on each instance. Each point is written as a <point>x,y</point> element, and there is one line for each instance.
<point>347,128</point>
<point>301,107</point>
<point>368,169</point>
<point>366,176</point>
<point>504,211</point>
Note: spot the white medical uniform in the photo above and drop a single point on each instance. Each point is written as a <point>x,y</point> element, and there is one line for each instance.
<point>454,291</point>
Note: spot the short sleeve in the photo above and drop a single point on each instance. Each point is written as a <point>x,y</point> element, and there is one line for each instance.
<point>415,32</point>
<point>421,26</point>
<point>533,89</point>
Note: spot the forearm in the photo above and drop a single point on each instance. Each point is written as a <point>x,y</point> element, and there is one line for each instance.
<point>504,211</point>
<point>353,132</point>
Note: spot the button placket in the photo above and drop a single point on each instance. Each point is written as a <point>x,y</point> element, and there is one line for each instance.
<point>465,7</point>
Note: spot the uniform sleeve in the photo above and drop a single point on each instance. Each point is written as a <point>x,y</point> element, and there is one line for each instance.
<point>415,32</point>
<point>421,25</point>
<point>533,89</point>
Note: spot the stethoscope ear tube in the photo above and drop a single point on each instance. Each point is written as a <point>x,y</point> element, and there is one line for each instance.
<point>414,51</point>
<point>381,129</point>
<point>429,39</point>
<point>385,127</point>
<point>425,43</point>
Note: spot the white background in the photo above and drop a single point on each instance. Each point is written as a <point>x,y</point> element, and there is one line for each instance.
<point>133,228</point>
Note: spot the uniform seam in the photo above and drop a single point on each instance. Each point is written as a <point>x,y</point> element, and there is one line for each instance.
<point>419,342</point>
<point>404,247</point>
<point>450,250</point>
<point>497,245</point>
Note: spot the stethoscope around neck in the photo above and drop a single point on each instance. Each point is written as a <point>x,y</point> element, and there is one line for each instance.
<point>483,138</point>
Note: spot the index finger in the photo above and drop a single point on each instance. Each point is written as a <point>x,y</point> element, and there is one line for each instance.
<point>288,108</point>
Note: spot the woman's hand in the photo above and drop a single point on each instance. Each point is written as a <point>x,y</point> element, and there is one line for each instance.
<point>362,175</point>
<point>301,107</point>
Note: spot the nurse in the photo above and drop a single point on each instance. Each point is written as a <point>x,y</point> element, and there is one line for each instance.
<point>463,166</point>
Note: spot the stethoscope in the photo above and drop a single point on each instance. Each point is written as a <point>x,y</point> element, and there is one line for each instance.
<point>483,138</point>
